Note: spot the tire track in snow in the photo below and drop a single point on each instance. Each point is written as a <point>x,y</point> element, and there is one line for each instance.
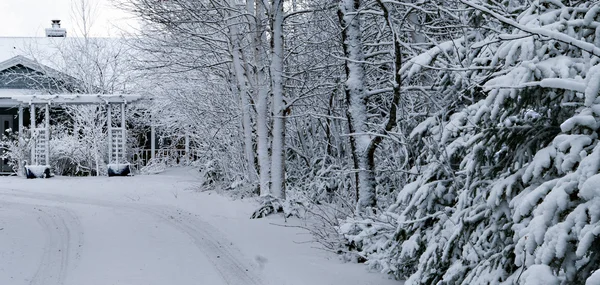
<point>225,257</point>
<point>64,237</point>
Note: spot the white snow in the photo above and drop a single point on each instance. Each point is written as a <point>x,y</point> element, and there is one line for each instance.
<point>153,229</point>
<point>563,83</point>
<point>590,188</point>
<point>591,14</point>
<point>539,274</point>
<point>417,63</point>
<point>593,85</point>
<point>594,279</point>
<point>579,120</point>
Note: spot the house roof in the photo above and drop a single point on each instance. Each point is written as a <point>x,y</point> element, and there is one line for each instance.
<point>48,52</point>
<point>47,56</point>
<point>33,65</point>
<point>6,94</point>
<point>18,60</point>
<point>10,98</point>
<point>75,99</point>
<point>41,54</point>
<point>56,57</point>
<point>38,49</point>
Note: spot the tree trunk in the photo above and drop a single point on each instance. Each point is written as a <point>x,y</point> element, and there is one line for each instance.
<point>262,108</point>
<point>242,87</point>
<point>357,103</point>
<point>278,150</point>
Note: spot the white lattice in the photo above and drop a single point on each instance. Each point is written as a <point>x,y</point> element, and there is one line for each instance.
<point>40,146</point>
<point>117,145</point>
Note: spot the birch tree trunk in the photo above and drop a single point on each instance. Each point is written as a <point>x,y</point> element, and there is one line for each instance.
<point>278,149</point>
<point>357,103</point>
<point>262,108</point>
<point>242,86</point>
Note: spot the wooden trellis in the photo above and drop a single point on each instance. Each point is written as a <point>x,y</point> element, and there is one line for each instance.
<point>117,137</point>
<point>40,135</point>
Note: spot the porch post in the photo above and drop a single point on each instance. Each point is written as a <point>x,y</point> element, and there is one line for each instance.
<point>32,160</point>
<point>20,123</point>
<point>47,134</point>
<point>20,171</point>
<point>124,133</point>
<point>152,139</point>
<point>109,127</point>
<point>187,147</point>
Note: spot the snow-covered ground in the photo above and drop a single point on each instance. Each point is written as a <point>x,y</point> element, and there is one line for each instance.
<point>154,229</point>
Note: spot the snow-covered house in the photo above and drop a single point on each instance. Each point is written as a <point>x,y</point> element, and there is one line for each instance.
<point>20,74</point>
<point>30,80</point>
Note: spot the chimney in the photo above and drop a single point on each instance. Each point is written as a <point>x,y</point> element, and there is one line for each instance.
<point>56,31</point>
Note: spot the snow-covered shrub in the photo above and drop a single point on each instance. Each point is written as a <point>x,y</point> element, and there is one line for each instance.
<point>295,205</point>
<point>326,181</point>
<point>154,166</point>
<point>506,187</point>
<point>240,188</point>
<point>75,154</point>
<point>324,223</point>
<point>365,239</point>
<point>211,173</point>
<point>12,151</point>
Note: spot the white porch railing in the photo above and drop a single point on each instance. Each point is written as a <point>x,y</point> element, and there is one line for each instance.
<point>141,157</point>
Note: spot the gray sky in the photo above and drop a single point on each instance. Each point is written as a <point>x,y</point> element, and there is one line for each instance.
<point>29,18</point>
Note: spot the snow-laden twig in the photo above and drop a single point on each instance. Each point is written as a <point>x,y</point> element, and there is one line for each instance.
<point>561,37</point>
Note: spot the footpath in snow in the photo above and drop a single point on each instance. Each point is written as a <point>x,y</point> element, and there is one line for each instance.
<point>154,229</point>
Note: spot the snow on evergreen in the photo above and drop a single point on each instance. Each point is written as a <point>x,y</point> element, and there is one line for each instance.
<point>511,198</point>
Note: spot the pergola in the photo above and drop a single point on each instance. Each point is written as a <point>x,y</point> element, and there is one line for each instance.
<point>40,151</point>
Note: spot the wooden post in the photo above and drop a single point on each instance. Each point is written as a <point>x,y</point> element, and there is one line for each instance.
<point>123,133</point>
<point>47,134</point>
<point>152,139</point>
<point>109,127</point>
<point>20,171</point>
<point>32,160</point>
<point>187,147</point>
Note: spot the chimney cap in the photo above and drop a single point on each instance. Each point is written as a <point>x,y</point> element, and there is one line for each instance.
<point>56,31</point>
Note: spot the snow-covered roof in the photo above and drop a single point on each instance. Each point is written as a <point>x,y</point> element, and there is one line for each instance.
<point>75,98</point>
<point>6,94</point>
<point>35,49</point>
<point>31,64</point>
<point>53,57</point>
<point>16,60</point>
<point>44,50</point>
<point>14,97</point>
